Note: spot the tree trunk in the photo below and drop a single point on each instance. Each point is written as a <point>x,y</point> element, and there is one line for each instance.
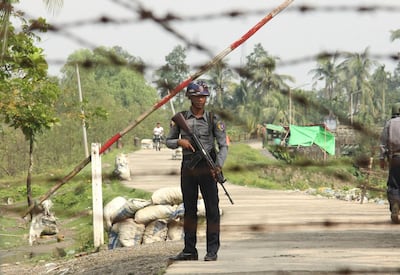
<point>29,176</point>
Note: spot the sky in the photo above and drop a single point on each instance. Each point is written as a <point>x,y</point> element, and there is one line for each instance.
<point>293,37</point>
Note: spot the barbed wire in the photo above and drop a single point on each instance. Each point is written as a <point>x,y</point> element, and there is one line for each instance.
<point>395,57</point>
<point>141,14</point>
<point>146,14</point>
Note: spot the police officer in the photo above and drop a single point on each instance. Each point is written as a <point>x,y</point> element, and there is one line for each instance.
<point>195,173</point>
<point>390,150</point>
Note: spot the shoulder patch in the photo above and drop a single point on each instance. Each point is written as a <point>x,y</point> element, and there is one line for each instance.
<point>220,126</point>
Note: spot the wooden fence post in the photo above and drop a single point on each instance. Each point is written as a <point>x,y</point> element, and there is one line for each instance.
<point>97,197</point>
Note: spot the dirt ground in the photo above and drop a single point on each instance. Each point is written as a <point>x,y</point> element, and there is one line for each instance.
<point>143,260</point>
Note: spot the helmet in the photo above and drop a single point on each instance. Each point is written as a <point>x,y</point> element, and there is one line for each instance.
<point>198,88</point>
<point>396,109</point>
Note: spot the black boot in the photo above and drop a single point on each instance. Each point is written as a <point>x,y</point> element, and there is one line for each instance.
<point>210,256</point>
<point>183,256</point>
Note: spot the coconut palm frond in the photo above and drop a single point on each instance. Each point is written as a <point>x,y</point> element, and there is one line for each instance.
<point>5,12</point>
<point>394,35</point>
<point>53,6</point>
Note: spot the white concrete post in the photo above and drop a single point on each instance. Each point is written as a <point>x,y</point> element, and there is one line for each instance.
<point>97,197</point>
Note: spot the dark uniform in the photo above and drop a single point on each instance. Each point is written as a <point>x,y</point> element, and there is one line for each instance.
<point>196,174</point>
<point>390,150</point>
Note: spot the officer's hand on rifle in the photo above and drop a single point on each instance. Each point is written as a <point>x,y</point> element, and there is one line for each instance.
<point>215,172</point>
<point>185,144</point>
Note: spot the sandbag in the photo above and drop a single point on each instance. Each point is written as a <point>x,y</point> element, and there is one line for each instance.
<point>178,212</point>
<point>111,209</point>
<point>167,195</point>
<point>122,170</point>
<point>175,230</point>
<point>129,209</point>
<point>155,231</point>
<point>201,210</point>
<point>130,233</point>
<point>153,212</point>
<point>113,237</point>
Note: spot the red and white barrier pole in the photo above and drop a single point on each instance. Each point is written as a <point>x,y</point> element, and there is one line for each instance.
<point>168,97</point>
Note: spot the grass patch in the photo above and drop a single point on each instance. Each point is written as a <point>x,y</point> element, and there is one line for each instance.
<point>12,233</point>
<point>72,204</point>
<point>251,167</point>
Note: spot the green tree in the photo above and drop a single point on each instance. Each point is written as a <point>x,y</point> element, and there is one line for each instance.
<point>172,74</point>
<point>27,95</point>
<point>114,95</point>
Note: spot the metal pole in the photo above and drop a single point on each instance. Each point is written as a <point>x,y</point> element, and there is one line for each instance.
<point>290,106</point>
<point>171,103</point>
<point>82,113</point>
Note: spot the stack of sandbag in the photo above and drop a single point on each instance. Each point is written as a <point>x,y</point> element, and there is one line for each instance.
<point>120,209</point>
<point>118,215</point>
<point>131,222</point>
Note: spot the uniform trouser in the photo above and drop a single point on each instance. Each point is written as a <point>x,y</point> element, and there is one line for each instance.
<point>191,180</point>
<point>393,181</point>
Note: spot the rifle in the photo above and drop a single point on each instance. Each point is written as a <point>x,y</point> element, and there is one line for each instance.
<point>181,122</point>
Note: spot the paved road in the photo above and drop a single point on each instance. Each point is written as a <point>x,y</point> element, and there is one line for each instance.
<point>283,232</point>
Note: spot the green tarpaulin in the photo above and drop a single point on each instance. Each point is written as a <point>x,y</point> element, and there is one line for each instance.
<point>275,128</point>
<point>308,135</point>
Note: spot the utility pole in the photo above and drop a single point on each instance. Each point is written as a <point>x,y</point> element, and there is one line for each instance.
<point>172,104</point>
<point>82,113</point>
<point>290,106</point>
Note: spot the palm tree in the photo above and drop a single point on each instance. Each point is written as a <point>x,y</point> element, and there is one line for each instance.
<point>380,84</point>
<point>220,76</point>
<point>53,5</point>
<point>6,8</point>
<point>263,99</point>
<point>357,70</point>
<point>395,35</point>
<point>327,71</point>
<point>261,67</point>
